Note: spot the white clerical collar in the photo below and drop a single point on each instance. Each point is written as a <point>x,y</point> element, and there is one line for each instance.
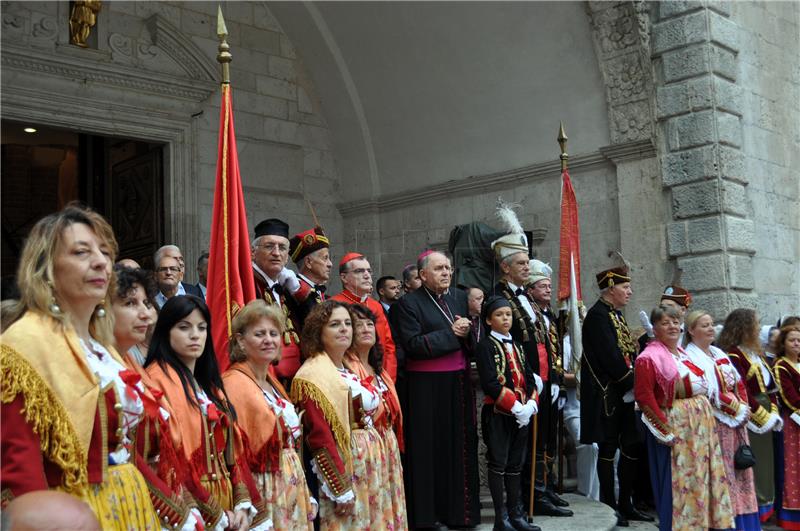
<point>269,281</point>
<point>500,336</point>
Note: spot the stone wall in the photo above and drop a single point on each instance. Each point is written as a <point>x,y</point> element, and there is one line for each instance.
<point>153,75</point>
<point>769,77</point>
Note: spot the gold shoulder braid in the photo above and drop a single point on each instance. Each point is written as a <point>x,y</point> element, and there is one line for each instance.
<point>624,339</point>
<point>290,335</point>
<point>518,314</point>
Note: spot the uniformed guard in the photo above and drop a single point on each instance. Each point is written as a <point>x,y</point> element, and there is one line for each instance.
<point>310,251</point>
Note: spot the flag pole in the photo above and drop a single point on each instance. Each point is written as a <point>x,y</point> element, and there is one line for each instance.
<point>562,142</point>
<point>224,56</point>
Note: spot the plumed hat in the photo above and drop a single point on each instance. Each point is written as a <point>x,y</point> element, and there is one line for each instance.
<point>615,275</point>
<point>539,271</point>
<point>305,243</point>
<point>515,241</point>
<point>677,294</point>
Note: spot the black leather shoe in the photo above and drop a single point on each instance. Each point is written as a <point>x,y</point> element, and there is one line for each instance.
<point>621,520</point>
<point>545,507</point>
<point>636,515</point>
<point>556,499</point>
<point>520,522</point>
<point>503,525</point>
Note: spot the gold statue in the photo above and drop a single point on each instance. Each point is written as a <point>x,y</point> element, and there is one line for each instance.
<point>81,20</point>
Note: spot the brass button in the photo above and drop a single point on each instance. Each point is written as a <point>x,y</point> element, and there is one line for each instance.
<point>117,407</point>
<point>213,477</point>
<point>119,432</point>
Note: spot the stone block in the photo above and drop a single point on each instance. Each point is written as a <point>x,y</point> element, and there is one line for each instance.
<point>679,32</point>
<point>703,272</point>
<point>704,234</point>
<point>740,271</point>
<point>263,18</point>
<point>198,24</point>
<point>723,31</point>
<point>729,129</point>
<point>742,299</point>
<point>684,63</point>
<point>683,97</point>
<point>723,7</point>
<point>693,200</point>
<point>690,165</point>
<point>677,7</point>
<point>739,234</point>
<point>723,62</point>
<point>312,162</point>
<point>282,68</point>
<point>728,96</point>
<point>264,41</point>
<point>717,303</point>
<point>258,103</point>
<point>303,101</point>
<point>691,130</point>
<point>278,88</point>
<point>280,131</point>
<point>287,48</point>
<point>734,199</point>
<point>731,164</point>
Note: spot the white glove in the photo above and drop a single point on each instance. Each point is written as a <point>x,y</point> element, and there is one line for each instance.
<point>561,401</point>
<point>628,397</point>
<point>520,413</point>
<point>531,408</point>
<point>539,383</point>
<point>795,417</point>
<point>288,279</point>
<point>779,424</point>
<point>554,390</point>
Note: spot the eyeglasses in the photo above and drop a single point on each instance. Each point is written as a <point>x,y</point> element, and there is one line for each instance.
<point>171,269</point>
<point>269,247</point>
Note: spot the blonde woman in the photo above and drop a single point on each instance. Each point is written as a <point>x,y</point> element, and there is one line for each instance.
<point>268,420</point>
<point>70,406</point>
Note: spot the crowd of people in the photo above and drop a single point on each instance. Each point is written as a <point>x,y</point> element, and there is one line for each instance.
<point>347,411</point>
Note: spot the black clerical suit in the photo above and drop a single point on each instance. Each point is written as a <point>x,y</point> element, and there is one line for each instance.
<point>441,470</point>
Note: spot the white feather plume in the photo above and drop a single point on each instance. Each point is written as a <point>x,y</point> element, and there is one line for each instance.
<point>508,218</point>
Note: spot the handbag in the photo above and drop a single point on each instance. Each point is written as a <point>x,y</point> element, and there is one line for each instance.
<point>743,458</point>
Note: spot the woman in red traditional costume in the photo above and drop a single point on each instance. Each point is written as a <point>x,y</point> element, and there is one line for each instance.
<point>134,311</point>
<point>729,403</point>
<point>337,408</point>
<point>365,359</point>
<point>787,373</point>
<point>673,393</point>
<point>70,407</point>
<point>739,338</point>
<point>203,451</point>
<point>269,423</point>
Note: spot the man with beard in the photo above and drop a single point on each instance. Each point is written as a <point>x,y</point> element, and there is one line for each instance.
<point>441,470</point>
<point>356,276</point>
<point>389,292</point>
<point>310,252</point>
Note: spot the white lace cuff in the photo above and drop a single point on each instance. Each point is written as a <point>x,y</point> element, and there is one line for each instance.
<point>774,423</point>
<point>660,437</point>
<point>323,486</point>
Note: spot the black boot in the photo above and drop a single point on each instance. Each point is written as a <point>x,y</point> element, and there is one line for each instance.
<point>496,488</point>
<point>605,474</point>
<point>627,477</point>
<point>515,514</point>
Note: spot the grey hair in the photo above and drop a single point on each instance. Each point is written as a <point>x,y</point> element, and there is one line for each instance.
<point>664,311</point>
<point>159,254</point>
<point>422,263</point>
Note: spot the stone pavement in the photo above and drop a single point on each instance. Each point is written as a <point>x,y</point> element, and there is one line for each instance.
<point>589,516</point>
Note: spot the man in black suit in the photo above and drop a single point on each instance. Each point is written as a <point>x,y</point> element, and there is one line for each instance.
<point>389,291</point>
<point>170,267</point>
<point>202,273</point>
<point>441,469</point>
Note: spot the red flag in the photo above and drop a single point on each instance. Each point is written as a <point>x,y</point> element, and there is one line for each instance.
<point>569,275</point>
<point>230,270</point>
<point>570,251</point>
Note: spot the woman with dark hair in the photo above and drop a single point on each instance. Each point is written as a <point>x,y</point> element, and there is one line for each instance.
<point>787,373</point>
<point>673,393</point>
<point>269,422</point>
<point>134,311</point>
<point>336,407</point>
<point>739,338</point>
<point>205,453</point>
<point>365,359</point>
<point>71,409</point>
<point>729,404</point>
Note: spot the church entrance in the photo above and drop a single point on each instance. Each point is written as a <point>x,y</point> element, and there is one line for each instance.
<point>45,168</point>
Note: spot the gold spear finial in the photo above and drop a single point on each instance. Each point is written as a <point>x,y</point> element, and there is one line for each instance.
<point>224,56</point>
<point>562,142</point>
